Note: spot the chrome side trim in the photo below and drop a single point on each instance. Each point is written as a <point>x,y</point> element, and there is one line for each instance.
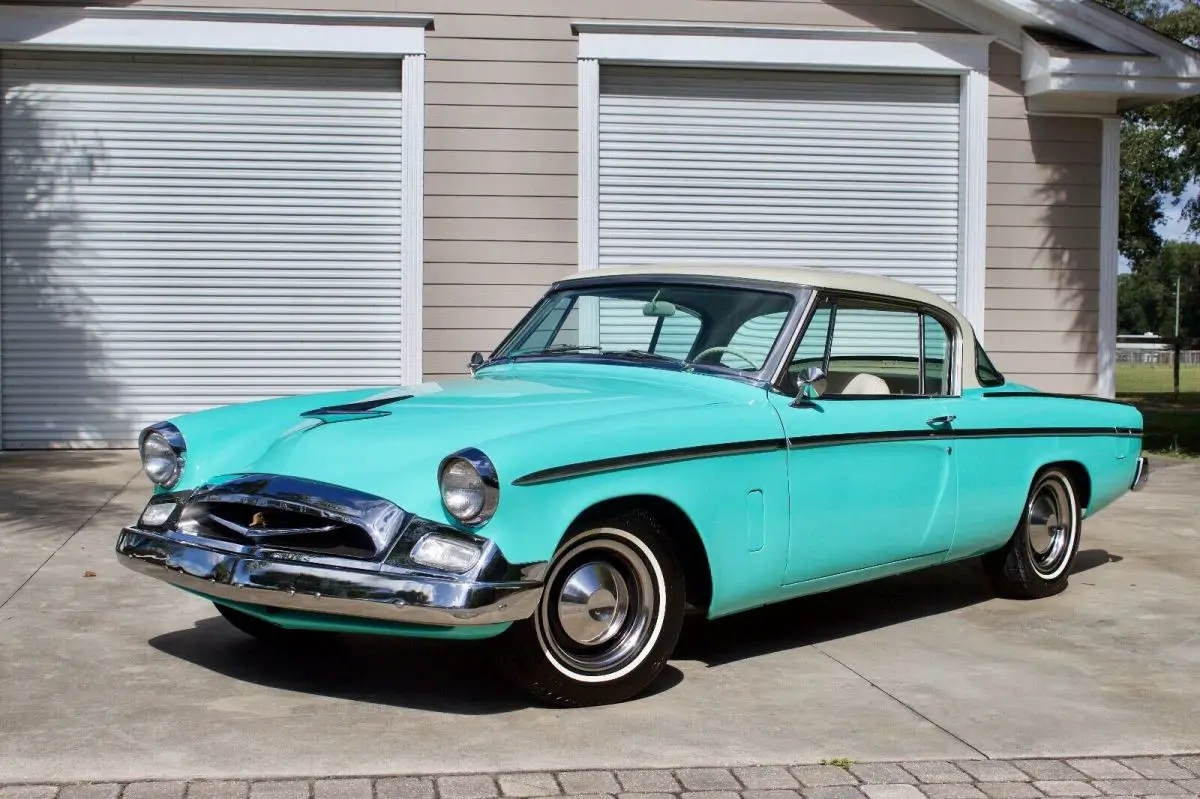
<point>1141,475</point>
<point>395,595</point>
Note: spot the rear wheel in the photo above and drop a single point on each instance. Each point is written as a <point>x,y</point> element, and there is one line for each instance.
<point>1037,560</point>
<point>609,617</point>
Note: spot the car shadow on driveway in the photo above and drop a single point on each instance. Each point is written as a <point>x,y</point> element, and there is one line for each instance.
<point>850,611</point>
<point>441,676</point>
<point>458,677</point>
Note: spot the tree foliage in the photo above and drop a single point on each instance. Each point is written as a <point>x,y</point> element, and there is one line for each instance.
<point>1146,298</point>
<point>1160,144</point>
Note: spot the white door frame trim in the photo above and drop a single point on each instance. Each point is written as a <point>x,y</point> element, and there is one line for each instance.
<point>270,33</point>
<point>964,55</point>
<point>197,31</point>
<point>1110,219</point>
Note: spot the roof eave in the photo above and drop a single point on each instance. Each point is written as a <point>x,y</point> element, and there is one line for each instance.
<point>1131,65</point>
<point>1103,82</point>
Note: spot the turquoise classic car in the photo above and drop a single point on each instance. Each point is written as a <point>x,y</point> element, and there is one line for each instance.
<point>647,442</point>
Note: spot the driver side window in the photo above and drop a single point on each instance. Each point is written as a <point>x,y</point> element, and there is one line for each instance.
<point>874,349</point>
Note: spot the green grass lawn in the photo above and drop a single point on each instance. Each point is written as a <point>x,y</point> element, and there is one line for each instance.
<point>1172,426</point>
<point>1154,379</point>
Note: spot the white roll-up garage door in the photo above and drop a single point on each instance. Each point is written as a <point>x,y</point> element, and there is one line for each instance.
<point>185,232</point>
<point>847,171</point>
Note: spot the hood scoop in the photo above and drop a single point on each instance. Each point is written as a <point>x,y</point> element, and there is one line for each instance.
<point>366,409</point>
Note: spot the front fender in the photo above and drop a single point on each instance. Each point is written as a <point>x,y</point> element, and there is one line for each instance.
<point>737,503</point>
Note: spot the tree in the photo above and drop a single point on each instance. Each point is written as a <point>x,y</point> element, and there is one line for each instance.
<point>1146,298</point>
<point>1160,144</point>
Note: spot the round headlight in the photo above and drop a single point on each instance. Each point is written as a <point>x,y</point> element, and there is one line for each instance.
<point>469,487</point>
<point>160,460</point>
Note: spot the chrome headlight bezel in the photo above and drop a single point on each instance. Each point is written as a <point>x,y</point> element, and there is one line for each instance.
<point>170,435</point>
<point>488,491</point>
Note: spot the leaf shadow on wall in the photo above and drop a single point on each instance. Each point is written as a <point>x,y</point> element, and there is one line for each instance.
<point>55,367</point>
<point>1042,301</point>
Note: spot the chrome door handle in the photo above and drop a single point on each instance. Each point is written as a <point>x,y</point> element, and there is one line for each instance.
<point>938,421</point>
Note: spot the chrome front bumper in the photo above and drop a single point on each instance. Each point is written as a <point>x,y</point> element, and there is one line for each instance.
<point>281,580</point>
<point>1142,475</point>
<point>321,548</point>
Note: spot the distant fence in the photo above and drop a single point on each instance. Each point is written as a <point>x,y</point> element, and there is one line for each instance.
<point>1158,357</point>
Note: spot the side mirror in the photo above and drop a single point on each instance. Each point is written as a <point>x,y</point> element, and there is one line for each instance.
<point>476,360</point>
<point>806,381</point>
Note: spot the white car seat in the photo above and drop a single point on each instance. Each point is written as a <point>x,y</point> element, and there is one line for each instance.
<point>859,384</point>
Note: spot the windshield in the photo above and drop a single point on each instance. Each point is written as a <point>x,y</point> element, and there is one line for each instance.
<point>724,328</point>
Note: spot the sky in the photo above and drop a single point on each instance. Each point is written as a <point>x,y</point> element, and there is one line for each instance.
<point>1173,228</point>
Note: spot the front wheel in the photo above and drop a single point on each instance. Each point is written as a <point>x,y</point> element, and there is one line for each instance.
<point>257,628</point>
<point>1036,562</point>
<point>609,617</point>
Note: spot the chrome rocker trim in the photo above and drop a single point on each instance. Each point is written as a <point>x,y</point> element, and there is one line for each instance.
<point>1142,475</point>
<point>394,595</point>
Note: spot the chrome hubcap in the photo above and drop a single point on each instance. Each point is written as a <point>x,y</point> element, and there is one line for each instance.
<point>1049,522</point>
<point>598,611</point>
<point>593,604</point>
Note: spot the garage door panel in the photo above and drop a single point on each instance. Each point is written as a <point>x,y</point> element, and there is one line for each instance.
<point>184,232</point>
<point>823,170</point>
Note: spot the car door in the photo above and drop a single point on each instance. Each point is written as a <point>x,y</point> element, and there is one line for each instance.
<point>871,481</point>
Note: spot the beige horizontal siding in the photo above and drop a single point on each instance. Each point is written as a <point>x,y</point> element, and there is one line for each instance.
<point>1035,341</point>
<point>501,274</point>
<point>1043,258</point>
<point>456,207</point>
<point>492,139</point>
<point>491,117</point>
<point>1043,280</point>
<point>535,230</point>
<point>1084,217</point>
<point>1039,195</point>
<point>1082,381</point>
<point>1048,258</point>
<point>486,184</point>
<point>463,294</point>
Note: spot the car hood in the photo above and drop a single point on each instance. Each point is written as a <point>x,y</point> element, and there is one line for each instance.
<point>523,416</point>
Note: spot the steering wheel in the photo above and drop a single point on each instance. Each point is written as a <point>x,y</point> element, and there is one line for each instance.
<point>730,350</point>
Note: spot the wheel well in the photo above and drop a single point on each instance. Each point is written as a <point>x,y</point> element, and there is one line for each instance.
<point>689,547</point>
<point>1080,478</point>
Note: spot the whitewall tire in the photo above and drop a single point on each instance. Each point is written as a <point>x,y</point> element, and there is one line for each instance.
<point>608,620</point>
<point>1036,562</point>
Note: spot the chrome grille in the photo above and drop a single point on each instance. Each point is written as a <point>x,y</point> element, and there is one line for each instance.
<point>293,514</point>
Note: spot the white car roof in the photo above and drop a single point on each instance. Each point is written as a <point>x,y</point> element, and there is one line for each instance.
<point>832,279</point>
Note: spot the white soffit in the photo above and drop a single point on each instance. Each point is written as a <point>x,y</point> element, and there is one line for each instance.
<point>200,31</point>
<point>1121,64</point>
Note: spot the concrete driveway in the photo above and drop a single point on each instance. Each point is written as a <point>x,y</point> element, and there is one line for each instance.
<point>116,676</point>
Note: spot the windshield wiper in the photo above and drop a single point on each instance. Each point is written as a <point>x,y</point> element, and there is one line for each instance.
<point>572,349</point>
<point>643,355</point>
<point>558,350</point>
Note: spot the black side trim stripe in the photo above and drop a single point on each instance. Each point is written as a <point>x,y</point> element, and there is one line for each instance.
<point>1053,395</point>
<point>649,459</point>
<point>805,442</point>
